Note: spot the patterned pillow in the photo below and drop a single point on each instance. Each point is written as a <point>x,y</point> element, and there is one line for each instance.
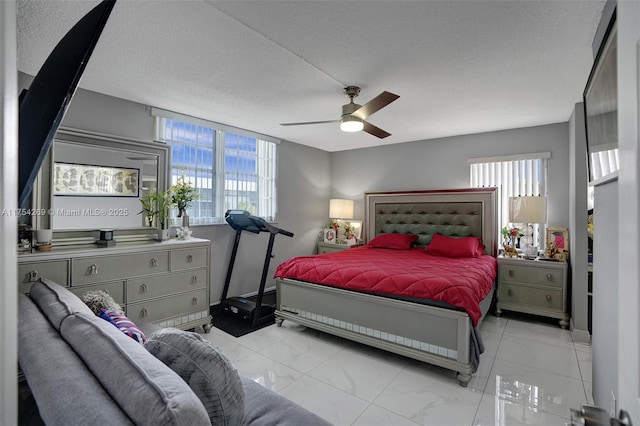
<point>123,324</point>
<point>207,371</point>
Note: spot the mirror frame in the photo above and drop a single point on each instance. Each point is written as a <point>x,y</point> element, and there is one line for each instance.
<point>42,196</point>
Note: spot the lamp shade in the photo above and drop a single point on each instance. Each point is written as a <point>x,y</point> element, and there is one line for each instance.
<point>341,209</point>
<point>528,209</point>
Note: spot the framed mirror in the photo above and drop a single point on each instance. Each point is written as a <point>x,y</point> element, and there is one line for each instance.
<point>92,181</point>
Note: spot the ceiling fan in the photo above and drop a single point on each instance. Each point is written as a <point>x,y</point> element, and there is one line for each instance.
<point>353,115</point>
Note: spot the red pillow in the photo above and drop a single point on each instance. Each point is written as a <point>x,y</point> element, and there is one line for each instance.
<point>393,241</point>
<point>442,245</point>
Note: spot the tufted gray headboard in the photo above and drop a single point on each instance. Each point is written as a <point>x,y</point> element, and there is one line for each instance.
<point>455,213</point>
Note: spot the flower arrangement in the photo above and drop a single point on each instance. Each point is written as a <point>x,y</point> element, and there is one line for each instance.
<point>332,224</point>
<point>183,194</point>
<point>348,230</point>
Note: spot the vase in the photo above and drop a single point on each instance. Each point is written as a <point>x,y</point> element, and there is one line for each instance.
<point>163,234</point>
<point>185,220</point>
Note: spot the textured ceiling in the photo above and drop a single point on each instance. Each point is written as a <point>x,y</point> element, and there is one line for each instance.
<point>460,67</point>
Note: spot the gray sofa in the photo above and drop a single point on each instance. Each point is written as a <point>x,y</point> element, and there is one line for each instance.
<point>82,370</point>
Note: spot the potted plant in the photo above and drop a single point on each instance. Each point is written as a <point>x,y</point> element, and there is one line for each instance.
<point>156,205</point>
<point>182,196</point>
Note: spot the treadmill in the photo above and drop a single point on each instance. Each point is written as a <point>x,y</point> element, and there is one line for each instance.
<point>250,309</point>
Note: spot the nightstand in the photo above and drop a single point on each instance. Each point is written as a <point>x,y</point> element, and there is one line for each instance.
<point>331,247</point>
<point>534,287</point>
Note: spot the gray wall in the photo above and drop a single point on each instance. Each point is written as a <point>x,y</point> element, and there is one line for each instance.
<point>303,192</point>
<point>442,163</point>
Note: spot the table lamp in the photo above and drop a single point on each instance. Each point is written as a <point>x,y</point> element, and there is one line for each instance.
<point>528,210</point>
<point>340,209</point>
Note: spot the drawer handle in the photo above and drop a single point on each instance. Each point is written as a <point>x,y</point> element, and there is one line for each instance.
<point>189,258</point>
<point>548,298</point>
<point>143,313</point>
<point>549,277</point>
<point>194,301</point>
<point>509,292</point>
<point>143,288</point>
<point>93,269</point>
<point>194,279</point>
<point>33,276</point>
<point>511,274</point>
<point>154,262</point>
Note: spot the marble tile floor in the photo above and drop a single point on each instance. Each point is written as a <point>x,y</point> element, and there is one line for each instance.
<point>530,373</point>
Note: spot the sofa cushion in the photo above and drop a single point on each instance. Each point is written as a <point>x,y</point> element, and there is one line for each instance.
<point>145,389</point>
<point>265,407</point>
<point>209,373</point>
<point>65,390</point>
<point>56,302</point>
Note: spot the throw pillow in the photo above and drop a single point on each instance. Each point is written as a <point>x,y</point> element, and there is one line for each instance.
<point>441,245</point>
<point>393,241</point>
<point>207,371</point>
<point>123,324</point>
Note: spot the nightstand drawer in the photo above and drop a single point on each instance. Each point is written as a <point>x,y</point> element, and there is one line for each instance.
<point>548,277</point>
<point>548,298</point>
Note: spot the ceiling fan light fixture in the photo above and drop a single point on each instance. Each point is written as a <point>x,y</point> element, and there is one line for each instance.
<point>350,123</point>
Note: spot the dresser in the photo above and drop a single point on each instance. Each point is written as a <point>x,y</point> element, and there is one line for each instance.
<point>166,283</point>
<point>534,287</point>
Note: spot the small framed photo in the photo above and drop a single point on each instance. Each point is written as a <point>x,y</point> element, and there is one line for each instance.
<point>557,244</point>
<point>329,235</point>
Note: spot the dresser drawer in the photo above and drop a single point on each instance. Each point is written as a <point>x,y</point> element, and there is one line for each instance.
<point>188,258</point>
<point>158,309</point>
<point>56,271</point>
<point>115,290</point>
<point>109,268</point>
<point>548,277</point>
<point>159,285</point>
<point>548,298</point>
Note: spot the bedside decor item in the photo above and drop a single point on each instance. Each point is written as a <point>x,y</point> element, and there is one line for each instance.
<point>340,211</point>
<point>528,210</point>
<point>601,109</point>
<point>557,244</point>
<point>510,251</point>
<point>329,235</point>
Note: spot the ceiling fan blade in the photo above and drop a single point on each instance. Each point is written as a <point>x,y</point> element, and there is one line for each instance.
<point>374,130</point>
<point>375,104</point>
<point>309,122</point>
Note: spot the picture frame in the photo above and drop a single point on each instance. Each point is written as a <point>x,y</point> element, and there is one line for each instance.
<point>86,180</point>
<point>601,110</point>
<point>557,243</point>
<point>329,235</point>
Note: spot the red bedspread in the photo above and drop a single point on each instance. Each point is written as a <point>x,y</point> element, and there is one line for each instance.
<point>460,282</point>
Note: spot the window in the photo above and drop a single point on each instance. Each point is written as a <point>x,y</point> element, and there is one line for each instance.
<point>230,168</point>
<point>518,175</point>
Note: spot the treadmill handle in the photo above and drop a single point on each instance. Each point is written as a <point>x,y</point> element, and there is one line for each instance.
<point>287,233</point>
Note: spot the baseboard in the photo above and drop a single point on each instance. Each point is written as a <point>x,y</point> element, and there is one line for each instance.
<point>580,336</point>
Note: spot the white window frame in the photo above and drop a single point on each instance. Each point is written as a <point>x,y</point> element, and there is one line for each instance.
<point>266,159</point>
<point>514,175</point>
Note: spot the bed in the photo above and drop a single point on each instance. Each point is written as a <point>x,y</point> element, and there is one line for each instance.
<point>427,327</point>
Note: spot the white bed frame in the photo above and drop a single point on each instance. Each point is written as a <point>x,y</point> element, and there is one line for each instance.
<point>427,333</point>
